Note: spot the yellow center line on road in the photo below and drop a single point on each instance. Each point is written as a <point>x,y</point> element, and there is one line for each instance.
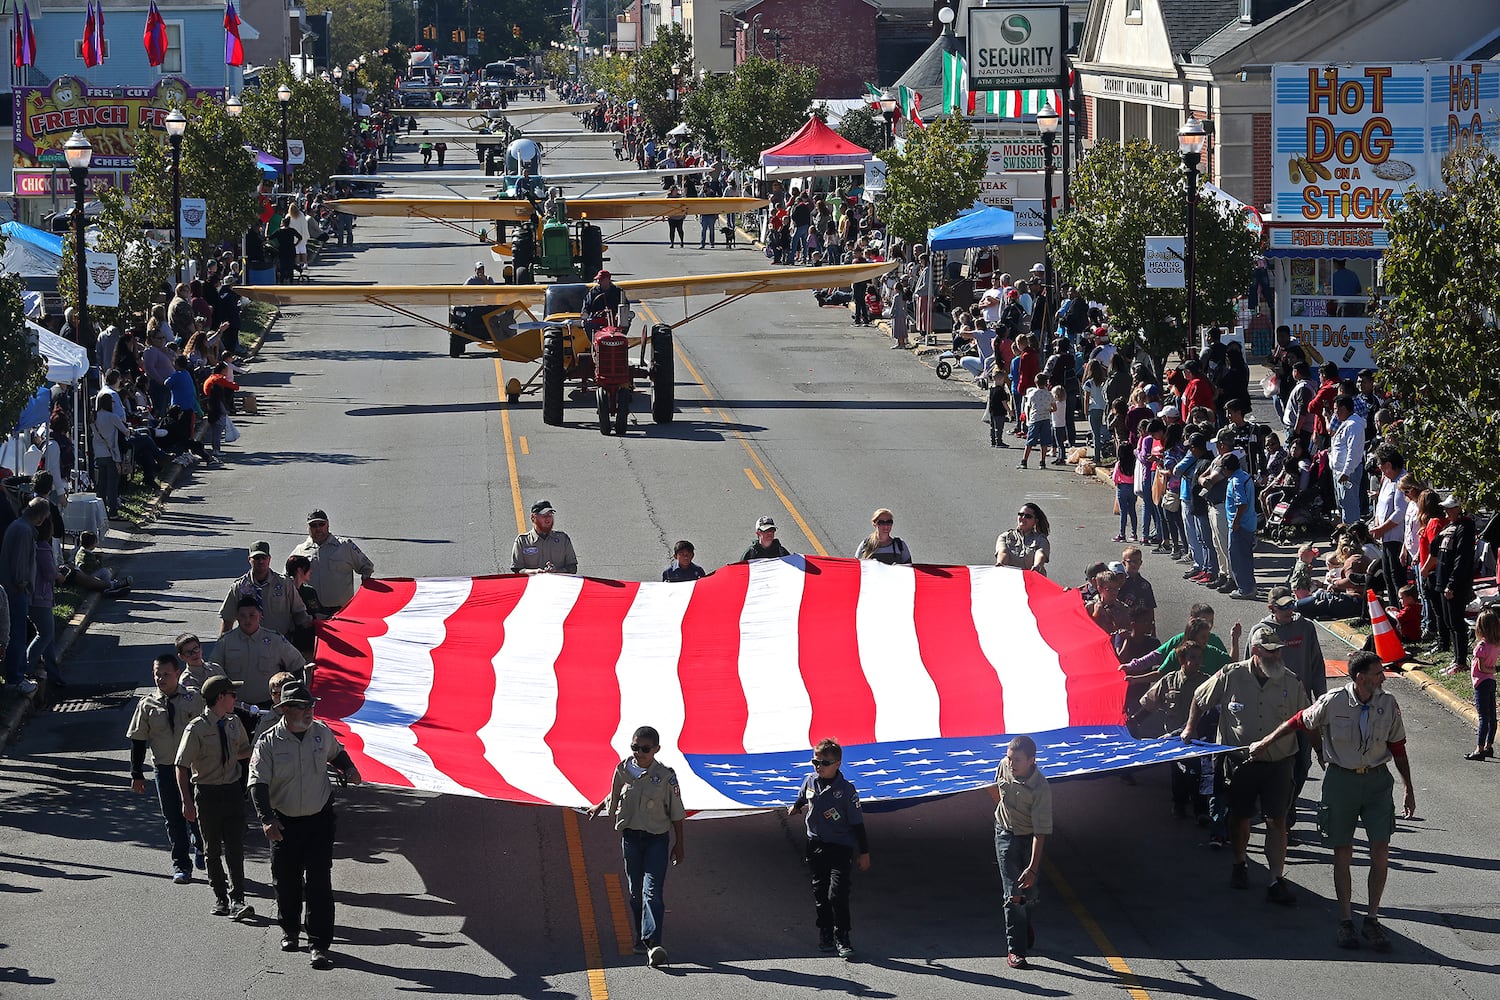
<point>620,911</point>
<point>525,448</point>
<point>593,957</point>
<point>753,481</point>
<point>1096,933</point>
<point>750,449</point>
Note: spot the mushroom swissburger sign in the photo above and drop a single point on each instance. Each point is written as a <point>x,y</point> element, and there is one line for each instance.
<point>1016,47</point>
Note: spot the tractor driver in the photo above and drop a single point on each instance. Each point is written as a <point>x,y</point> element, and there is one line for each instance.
<point>603,301</point>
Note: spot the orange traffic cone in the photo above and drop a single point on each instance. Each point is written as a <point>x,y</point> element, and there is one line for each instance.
<point>1387,643</point>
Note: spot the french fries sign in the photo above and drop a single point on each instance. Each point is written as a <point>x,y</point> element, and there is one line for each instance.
<point>1351,140</point>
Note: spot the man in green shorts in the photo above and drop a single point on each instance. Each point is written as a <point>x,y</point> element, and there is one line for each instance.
<point>1361,732</point>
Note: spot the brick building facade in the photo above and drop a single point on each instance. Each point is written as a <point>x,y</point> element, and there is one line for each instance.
<point>836,36</point>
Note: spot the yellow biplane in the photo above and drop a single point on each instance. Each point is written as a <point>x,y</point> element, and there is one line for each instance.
<point>551,331</point>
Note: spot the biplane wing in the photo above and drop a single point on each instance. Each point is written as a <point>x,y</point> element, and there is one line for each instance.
<point>480,179</point>
<point>517,210</point>
<point>735,284</point>
<point>543,108</point>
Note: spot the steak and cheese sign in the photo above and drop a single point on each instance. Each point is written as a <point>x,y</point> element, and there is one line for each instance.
<point>1016,47</point>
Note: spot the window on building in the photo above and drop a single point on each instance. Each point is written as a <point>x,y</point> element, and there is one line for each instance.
<point>1133,11</point>
<point>1164,125</point>
<point>1106,120</point>
<point>1137,121</point>
<point>726,29</point>
<point>172,64</point>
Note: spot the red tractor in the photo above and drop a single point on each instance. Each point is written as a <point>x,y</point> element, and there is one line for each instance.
<point>604,367</point>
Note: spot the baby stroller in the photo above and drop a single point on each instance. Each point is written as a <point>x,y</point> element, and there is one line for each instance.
<point>1293,514</point>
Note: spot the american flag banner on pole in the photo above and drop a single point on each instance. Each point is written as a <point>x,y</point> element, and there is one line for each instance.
<point>577,13</point>
<point>527,689</point>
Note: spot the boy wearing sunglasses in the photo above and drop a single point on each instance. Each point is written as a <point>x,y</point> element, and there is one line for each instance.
<point>835,835</point>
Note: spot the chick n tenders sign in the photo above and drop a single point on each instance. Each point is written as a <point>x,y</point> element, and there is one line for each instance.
<point>1351,140</point>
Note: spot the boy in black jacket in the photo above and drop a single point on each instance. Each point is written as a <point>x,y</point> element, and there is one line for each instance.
<point>835,832</point>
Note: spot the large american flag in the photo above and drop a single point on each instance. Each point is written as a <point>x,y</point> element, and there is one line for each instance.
<point>528,689</point>
<point>577,16</point>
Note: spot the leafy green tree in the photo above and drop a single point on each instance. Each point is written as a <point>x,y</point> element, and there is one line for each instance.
<point>144,265</point>
<point>933,178</point>
<point>1121,195</point>
<point>313,115</point>
<point>359,28</point>
<point>215,166</point>
<point>1442,271</point>
<point>863,127</point>
<point>21,368</point>
<point>654,78</point>
<point>555,64</point>
<point>613,76</point>
<point>764,102</point>
<point>699,105</point>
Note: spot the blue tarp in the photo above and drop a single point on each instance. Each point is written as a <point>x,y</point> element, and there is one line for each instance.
<point>38,238</point>
<point>38,410</point>
<point>986,227</point>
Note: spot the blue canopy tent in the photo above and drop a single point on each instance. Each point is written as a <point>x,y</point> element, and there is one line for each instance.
<point>982,227</point>
<point>34,254</point>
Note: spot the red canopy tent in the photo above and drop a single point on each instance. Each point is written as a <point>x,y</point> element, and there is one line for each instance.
<point>815,148</point>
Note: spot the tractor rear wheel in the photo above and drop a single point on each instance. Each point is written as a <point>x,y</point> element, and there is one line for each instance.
<point>663,375</point>
<point>552,378</point>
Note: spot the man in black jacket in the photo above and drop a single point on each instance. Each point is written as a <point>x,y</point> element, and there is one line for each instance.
<point>1455,580</point>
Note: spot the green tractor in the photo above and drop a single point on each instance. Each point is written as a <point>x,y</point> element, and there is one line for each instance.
<point>565,250</point>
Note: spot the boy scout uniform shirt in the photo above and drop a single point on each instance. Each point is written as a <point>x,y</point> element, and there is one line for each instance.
<point>281,606</point>
<point>335,563</point>
<point>1338,714</point>
<point>161,729</point>
<point>1025,806</point>
<point>195,677</point>
<point>833,810</point>
<point>1173,696</point>
<point>533,551</point>
<point>255,659</point>
<point>1249,710</point>
<point>651,803</point>
<point>201,750</point>
<point>295,769</point>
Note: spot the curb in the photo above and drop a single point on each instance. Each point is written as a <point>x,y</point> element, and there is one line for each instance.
<point>1416,679</point>
<point>26,705</point>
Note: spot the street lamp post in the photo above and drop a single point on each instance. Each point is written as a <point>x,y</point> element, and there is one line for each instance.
<point>674,93</point>
<point>1191,139</point>
<point>284,95</point>
<point>233,107</point>
<point>78,153</point>
<point>1047,122</point>
<point>888,106</point>
<point>176,126</point>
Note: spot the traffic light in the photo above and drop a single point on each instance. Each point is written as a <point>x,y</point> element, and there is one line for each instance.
<point>429,32</point>
<point>457,35</point>
<point>515,31</point>
<point>479,34</point>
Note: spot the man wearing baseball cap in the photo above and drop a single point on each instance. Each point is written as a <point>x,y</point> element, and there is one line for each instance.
<point>281,607</point>
<point>294,801</point>
<point>1303,655</point>
<point>766,544</point>
<point>479,277</point>
<point>1253,697</point>
<point>602,301</point>
<point>335,562</point>
<point>208,778</point>
<point>543,549</point>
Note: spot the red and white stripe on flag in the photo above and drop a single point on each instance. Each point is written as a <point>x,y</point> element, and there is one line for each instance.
<point>528,689</point>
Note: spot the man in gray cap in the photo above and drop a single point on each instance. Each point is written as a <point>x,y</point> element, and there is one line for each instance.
<point>281,607</point>
<point>208,778</point>
<point>335,563</point>
<point>294,801</point>
<point>1253,697</point>
<point>766,544</point>
<point>543,549</point>
<point>1303,654</point>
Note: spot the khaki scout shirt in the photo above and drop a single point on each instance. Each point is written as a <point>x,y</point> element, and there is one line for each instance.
<point>651,803</point>
<point>334,565</point>
<point>201,750</point>
<point>294,768</point>
<point>532,551</point>
<point>150,723</point>
<point>281,606</point>
<point>1025,806</point>
<point>1250,710</point>
<point>255,659</point>
<point>1337,714</point>
<point>196,677</point>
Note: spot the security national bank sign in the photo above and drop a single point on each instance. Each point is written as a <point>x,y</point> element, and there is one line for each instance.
<point>1016,47</point>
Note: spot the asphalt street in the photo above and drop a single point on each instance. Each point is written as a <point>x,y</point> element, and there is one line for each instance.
<point>784,409</point>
